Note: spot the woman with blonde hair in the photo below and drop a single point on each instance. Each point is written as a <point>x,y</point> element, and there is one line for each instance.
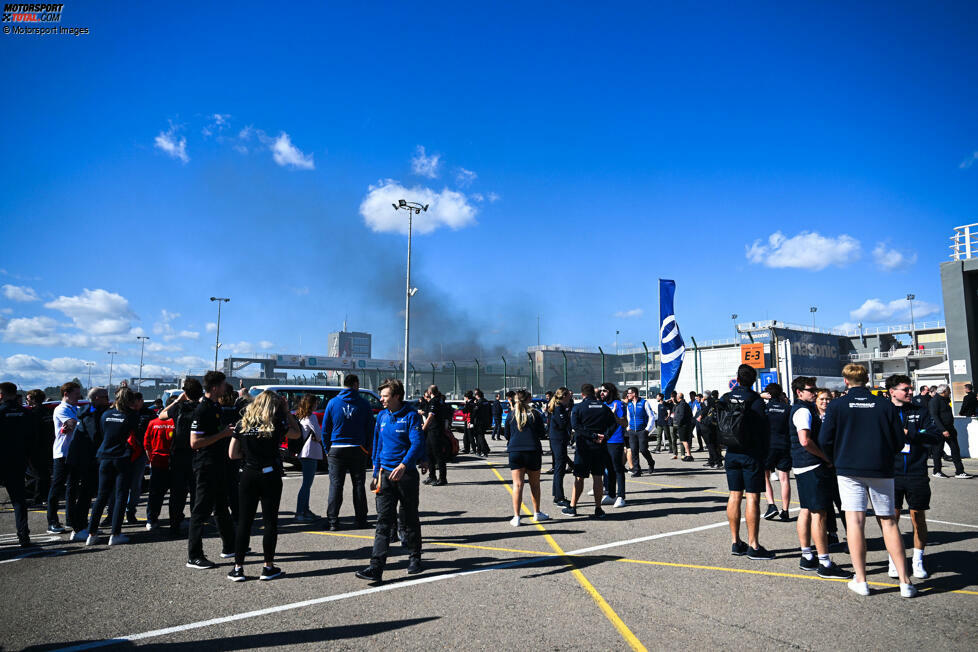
<point>256,440</point>
<point>559,434</point>
<point>310,455</point>
<point>524,430</point>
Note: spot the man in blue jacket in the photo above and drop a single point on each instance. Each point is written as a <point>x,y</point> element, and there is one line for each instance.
<point>861,434</point>
<point>348,422</point>
<point>399,446</point>
<point>910,479</point>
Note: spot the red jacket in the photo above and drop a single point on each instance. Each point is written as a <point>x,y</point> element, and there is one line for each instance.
<point>159,435</point>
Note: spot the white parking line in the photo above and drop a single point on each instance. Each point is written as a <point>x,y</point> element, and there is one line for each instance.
<point>35,553</point>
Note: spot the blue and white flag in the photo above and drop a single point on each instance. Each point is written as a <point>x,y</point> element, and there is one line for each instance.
<point>671,347</point>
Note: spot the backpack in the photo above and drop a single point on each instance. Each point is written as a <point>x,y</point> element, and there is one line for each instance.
<point>731,419</point>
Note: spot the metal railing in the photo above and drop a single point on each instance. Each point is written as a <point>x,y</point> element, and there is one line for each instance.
<point>897,328</point>
<point>897,353</point>
<point>964,242</point>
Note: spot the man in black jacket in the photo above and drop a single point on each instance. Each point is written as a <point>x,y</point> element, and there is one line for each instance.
<point>181,456</point>
<point>497,417</point>
<point>969,404</point>
<point>682,418</point>
<point>82,482</point>
<point>940,412</point>
<point>16,433</point>
<point>483,419</point>
<point>593,423</point>
<point>910,467</point>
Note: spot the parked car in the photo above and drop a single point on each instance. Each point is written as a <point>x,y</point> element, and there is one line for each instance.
<point>293,393</point>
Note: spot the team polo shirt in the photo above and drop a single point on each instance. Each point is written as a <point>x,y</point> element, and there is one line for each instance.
<point>207,422</point>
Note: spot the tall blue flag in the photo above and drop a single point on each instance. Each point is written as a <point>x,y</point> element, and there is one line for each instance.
<point>671,347</point>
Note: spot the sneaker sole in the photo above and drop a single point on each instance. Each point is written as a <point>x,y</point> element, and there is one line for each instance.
<point>810,570</point>
<point>760,558</point>
<point>196,567</point>
<point>237,579</point>
<point>265,578</point>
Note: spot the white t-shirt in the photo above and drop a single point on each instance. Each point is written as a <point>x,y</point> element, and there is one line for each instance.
<point>62,439</point>
<point>802,420</point>
<point>312,449</point>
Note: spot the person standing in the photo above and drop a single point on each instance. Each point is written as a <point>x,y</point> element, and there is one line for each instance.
<point>745,430</point>
<point>861,435</point>
<point>65,422</point>
<point>923,398</point>
<point>181,454</point>
<point>39,456</point>
<point>210,464</point>
<point>910,479</point>
<point>119,425</point>
<point>779,454</point>
<point>661,422</point>
<point>156,442</point>
<point>82,480</point>
<point>708,424</point>
<point>16,435</point>
<point>559,435</point>
<point>615,445</point>
<point>433,416</point>
<point>257,438</point>
<point>469,410</point>
<point>943,417</point>
<point>497,417</point>
<point>398,447</point>
<point>229,417</point>
<point>593,423</point>
<point>682,417</point>
<point>137,467</point>
<point>969,402</point>
<point>641,421</point>
<point>483,418</point>
<point>347,425</point>
<point>310,456</point>
<point>811,467</point>
<point>524,430</point>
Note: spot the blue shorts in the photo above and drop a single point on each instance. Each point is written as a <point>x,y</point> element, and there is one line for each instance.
<point>744,473</point>
<point>528,460</point>
<point>815,489</point>
<point>778,460</point>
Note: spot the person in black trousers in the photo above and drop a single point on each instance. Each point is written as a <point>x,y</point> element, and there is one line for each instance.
<point>82,482</point>
<point>259,434</point>
<point>432,412</point>
<point>497,417</point>
<point>230,414</point>
<point>559,433</point>
<point>16,435</point>
<point>181,455</point>
<point>39,453</point>
<point>483,415</point>
<point>940,411</point>
<point>119,425</point>
<point>210,458</point>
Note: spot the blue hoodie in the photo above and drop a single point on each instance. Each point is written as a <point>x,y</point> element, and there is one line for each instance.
<point>347,420</point>
<point>398,439</point>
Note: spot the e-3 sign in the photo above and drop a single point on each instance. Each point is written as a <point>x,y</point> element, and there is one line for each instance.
<point>752,354</point>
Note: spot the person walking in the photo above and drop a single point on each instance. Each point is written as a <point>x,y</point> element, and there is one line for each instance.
<point>347,425</point>
<point>861,435</point>
<point>559,435</point>
<point>119,426</point>
<point>641,422</point>
<point>310,456</point>
<point>398,447</point>
<point>524,431</point>
<point>943,417</point>
<point>257,438</point>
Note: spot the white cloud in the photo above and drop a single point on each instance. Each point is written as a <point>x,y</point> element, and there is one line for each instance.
<point>492,197</point>
<point>165,328</point>
<point>175,147</point>
<point>96,312</point>
<point>446,208</point>
<point>20,293</point>
<point>425,166</point>
<point>211,327</point>
<point>891,259</point>
<point>807,250</point>
<point>38,331</point>
<point>217,123</point>
<point>874,310</point>
<point>288,155</point>
<point>156,347</point>
<point>189,335</point>
<point>464,177</point>
<point>265,344</point>
<point>628,314</point>
<point>969,161</point>
<point>238,348</point>
<point>847,326</point>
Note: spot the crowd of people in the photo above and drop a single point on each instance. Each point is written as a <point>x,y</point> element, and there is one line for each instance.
<point>221,450</point>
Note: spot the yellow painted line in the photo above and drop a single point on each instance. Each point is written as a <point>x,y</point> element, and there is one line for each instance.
<point>606,609</point>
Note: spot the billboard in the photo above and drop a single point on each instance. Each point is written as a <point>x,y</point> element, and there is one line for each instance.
<point>813,354</point>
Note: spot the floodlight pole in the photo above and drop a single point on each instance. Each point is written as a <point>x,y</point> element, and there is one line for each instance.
<point>913,328</point>
<point>413,208</point>
<point>217,340</point>
<point>111,355</point>
<point>142,347</point>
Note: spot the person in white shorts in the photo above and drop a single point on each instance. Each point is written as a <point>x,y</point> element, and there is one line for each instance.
<point>862,433</point>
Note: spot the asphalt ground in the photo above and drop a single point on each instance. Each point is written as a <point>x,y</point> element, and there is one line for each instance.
<point>656,574</point>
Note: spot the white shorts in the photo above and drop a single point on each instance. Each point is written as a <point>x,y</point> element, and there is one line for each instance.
<point>854,491</point>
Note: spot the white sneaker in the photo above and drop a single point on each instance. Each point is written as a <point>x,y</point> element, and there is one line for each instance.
<point>590,492</point>
<point>515,521</point>
<point>152,526</point>
<point>540,516</point>
<point>92,539</point>
<point>118,539</point>
<point>892,571</point>
<point>918,569</point>
<point>962,476</point>
<point>619,502</point>
<point>79,536</point>
<point>858,587</point>
<point>908,591</point>
<point>607,500</point>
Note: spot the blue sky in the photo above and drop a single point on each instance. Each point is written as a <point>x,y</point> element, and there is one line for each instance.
<point>766,157</point>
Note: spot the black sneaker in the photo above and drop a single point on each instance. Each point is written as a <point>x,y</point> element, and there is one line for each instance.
<point>440,483</point>
<point>26,543</point>
<point>237,575</point>
<point>784,516</point>
<point>688,458</point>
<point>760,553</point>
<point>414,567</point>
<point>598,512</point>
<point>372,574</point>
<point>200,563</point>
<point>833,572</point>
<point>738,549</point>
<point>562,502</point>
<point>428,481</point>
<point>636,474</point>
<point>131,519</point>
<point>771,512</point>
<point>270,573</point>
<point>808,564</point>
<point>569,511</point>
<point>333,527</point>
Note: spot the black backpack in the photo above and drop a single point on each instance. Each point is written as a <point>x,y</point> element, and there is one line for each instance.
<point>731,419</point>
